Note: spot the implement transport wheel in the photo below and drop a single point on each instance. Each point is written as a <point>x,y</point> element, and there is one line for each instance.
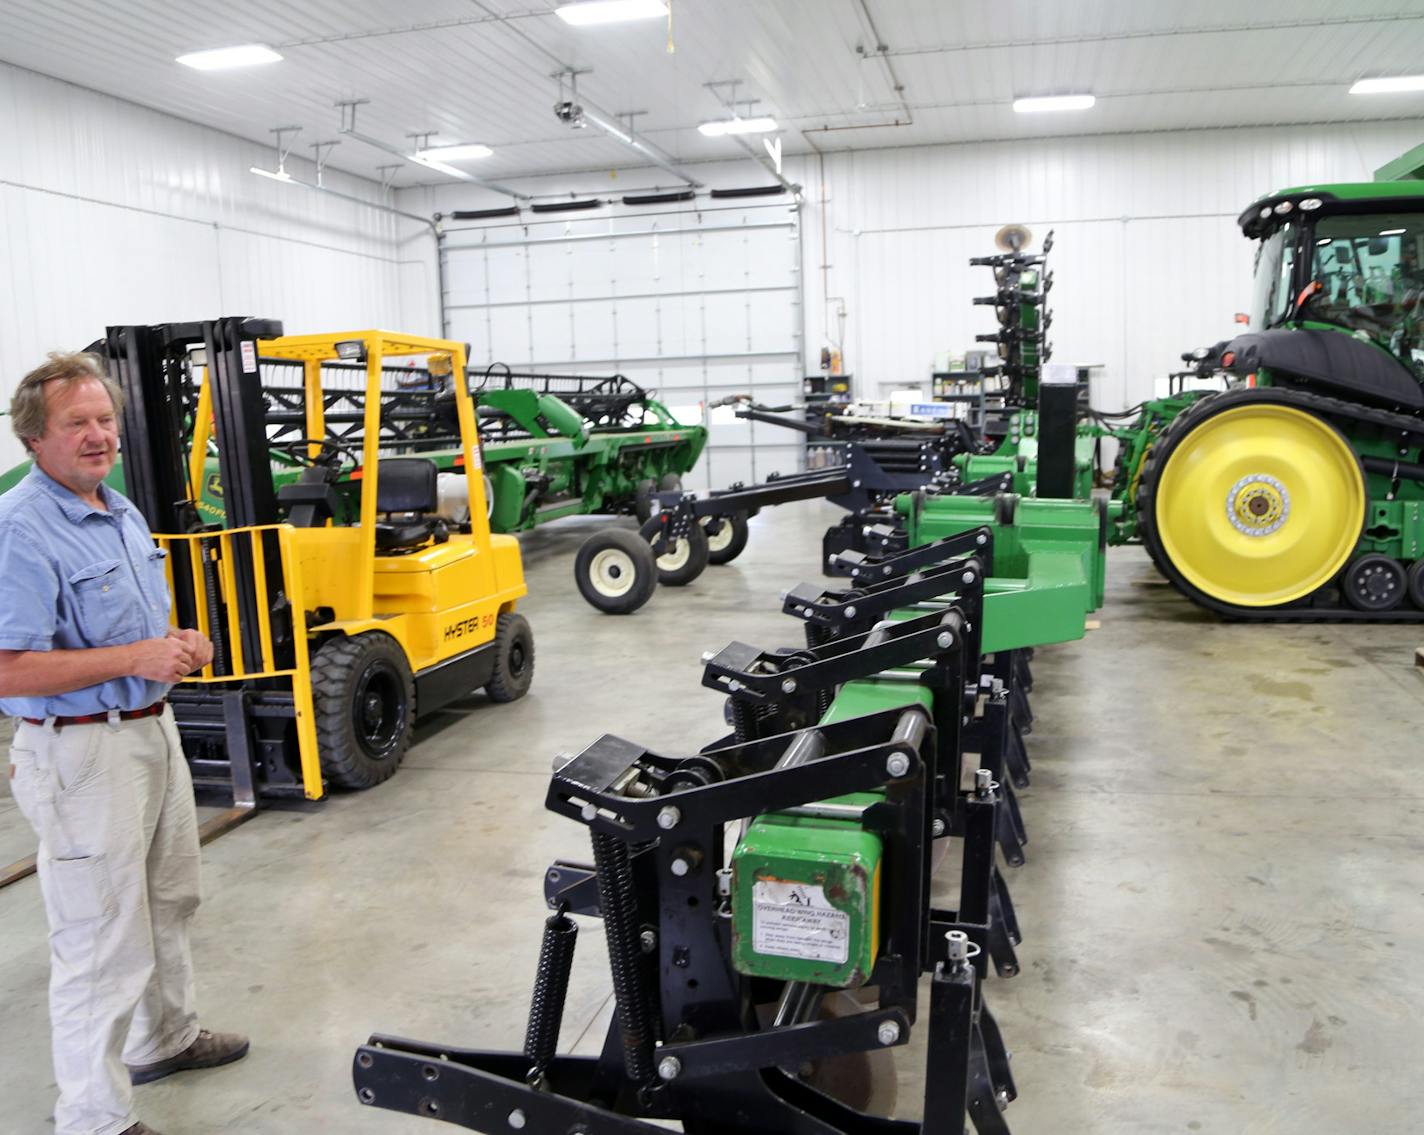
<point>685,558</point>
<point>364,697</point>
<point>730,539</point>
<point>1248,502</point>
<point>669,482</point>
<point>1374,583</point>
<point>616,571</point>
<point>513,658</point>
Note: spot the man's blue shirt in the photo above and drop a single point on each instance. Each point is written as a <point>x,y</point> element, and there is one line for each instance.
<point>72,576</point>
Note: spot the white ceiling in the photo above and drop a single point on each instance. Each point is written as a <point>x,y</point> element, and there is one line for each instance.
<point>479,70</point>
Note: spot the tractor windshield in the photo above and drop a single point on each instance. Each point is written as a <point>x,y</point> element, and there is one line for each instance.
<point>1369,277</point>
<point>1271,296</point>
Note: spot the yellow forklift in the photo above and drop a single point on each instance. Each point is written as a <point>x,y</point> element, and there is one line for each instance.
<point>342,605</point>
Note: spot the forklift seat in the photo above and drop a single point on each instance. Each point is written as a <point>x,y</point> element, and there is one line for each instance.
<point>406,487</point>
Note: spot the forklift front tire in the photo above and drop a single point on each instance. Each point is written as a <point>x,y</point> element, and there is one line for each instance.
<point>364,697</point>
<point>616,571</point>
<point>729,541</point>
<point>513,658</point>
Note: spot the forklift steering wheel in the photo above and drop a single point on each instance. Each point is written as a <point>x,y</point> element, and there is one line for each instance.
<point>331,455</point>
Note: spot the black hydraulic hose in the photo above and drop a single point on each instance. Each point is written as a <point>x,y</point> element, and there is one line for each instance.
<point>619,907</point>
<point>551,988</point>
<point>1393,469</point>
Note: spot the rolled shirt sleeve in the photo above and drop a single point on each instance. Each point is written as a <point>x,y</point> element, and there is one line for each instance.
<point>29,593</point>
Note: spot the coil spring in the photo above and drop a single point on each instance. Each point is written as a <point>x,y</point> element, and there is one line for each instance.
<point>619,907</point>
<point>744,721</point>
<point>817,635</point>
<point>551,987</point>
<point>824,696</point>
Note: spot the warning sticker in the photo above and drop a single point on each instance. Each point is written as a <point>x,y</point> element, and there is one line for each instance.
<point>794,920</point>
<point>249,357</point>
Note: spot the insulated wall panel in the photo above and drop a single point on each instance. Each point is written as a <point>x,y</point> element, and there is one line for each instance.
<point>111,213</point>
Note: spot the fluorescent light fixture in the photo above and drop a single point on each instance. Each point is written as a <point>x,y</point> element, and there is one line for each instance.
<point>1388,86</point>
<point>1054,102</point>
<point>588,12</point>
<point>462,153</point>
<point>275,175</point>
<point>725,126</point>
<point>1393,232</point>
<point>226,58</point>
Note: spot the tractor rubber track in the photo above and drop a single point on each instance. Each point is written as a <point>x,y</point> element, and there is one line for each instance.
<point>1319,607</point>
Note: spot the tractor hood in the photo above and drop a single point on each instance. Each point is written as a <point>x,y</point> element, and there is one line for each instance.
<point>1333,361</point>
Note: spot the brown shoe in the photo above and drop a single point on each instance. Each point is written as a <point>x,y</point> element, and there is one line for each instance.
<point>209,1051</point>
<point>138,1129</point>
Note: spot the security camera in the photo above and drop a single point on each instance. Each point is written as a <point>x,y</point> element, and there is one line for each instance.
<point>570,113</point>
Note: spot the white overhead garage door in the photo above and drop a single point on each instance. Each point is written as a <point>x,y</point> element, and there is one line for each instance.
<point>693,305</point>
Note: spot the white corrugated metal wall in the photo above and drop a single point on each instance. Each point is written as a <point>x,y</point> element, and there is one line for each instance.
<point>1147,258</point>
<point>111,213</point>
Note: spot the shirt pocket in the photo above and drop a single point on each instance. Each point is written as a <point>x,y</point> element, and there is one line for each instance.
<point>108,603</point>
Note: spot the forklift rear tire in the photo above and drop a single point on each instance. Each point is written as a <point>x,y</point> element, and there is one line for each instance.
<point>363,695</point>
<point>685,558</point>
<point>616,571</point>
<point>730,540</point>
<point>513,658</point>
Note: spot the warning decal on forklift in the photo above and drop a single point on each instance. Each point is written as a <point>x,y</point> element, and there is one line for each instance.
<point>794,920</point>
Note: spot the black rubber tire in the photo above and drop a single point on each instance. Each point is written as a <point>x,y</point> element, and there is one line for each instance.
<point>678,570</point>
<point>643,500</point>
<point>728,545</point>
<point>600,577</point>
<point>1374,583</point>
<point>1415,577</point>
<point>513,658</point>
<point>669,482</point>
<point>363,696</point>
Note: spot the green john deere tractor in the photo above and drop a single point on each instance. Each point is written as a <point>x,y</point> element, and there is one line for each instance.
<point>1298,493</point>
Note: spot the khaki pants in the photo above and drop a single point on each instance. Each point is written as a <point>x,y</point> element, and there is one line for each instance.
<point>112,805</point>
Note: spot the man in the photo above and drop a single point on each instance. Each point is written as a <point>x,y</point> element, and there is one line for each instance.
<point>86,659</point>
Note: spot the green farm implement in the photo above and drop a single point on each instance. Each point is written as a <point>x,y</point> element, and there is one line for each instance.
<point>766,899</point>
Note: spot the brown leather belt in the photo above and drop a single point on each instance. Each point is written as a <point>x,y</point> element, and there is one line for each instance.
<point>100,718</point>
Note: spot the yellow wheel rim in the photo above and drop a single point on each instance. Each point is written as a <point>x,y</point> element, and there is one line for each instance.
<point>1260,505</point>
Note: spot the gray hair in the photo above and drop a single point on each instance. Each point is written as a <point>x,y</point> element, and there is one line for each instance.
<point>28,408</point>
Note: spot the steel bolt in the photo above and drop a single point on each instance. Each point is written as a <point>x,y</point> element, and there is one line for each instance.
<point>788,686</point>
<point>648,941</point>
<point>958,946</point>
<point>365,1095</point>
<point>897,764</point>
<point>937,827</point>
<point>981,539</point>
<point>588,811</point>
<point>983,781</point>
<point>967,577</point>
<point>365,1060</point>
<point>888,1032</point>
<point>945,640</point>
<point>669,1068</point>
<point>885,570</point>
<point>850,611</point>
<point>1002,1099</point>
<point>668,818</point>
<point>679,867</point>
<point>516,1119</point>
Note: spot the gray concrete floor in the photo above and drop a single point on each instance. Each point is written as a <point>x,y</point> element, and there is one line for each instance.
<point>1221,908</point>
